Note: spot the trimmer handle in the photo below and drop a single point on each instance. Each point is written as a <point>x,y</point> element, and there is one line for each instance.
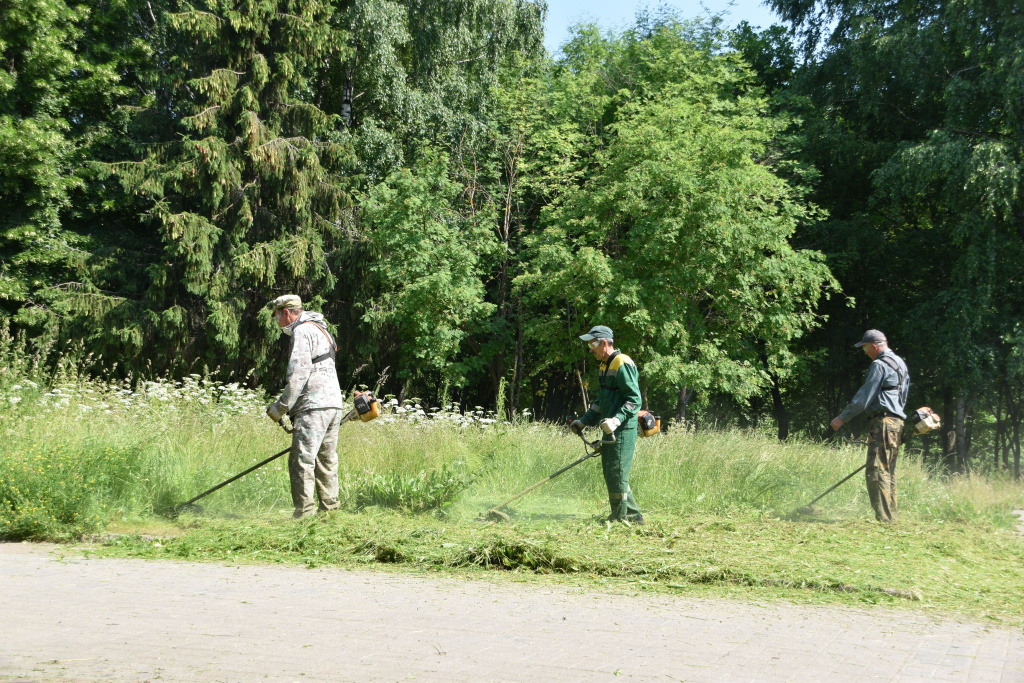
<point>286,429</point>
<point>597,442</point>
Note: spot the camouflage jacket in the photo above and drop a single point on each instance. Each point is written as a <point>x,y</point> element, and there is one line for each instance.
<point>309,385</point>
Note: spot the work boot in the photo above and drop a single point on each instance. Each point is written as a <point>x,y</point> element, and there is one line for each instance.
<point>637,519</point>
<point>300,513</point>
<point>328,505</point>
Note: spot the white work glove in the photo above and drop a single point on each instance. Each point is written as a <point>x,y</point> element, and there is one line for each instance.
<point>610,424</point>
<point>577,426</point>
<point>275,411</point>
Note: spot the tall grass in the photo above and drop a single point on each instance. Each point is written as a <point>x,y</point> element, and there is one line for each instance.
<point>79,453</point>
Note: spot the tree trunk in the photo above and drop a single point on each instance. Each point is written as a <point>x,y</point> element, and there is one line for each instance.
<point>948,431</point>
<point>1006,447</point>
<point>961,436</point>
<point>1013,414</point>
<point>346,97</point>
<point>685,394</point>
<point>1016,449</point>
<point>779,409</point>
<point>583,391</point>
<point>517,365</point>
<point>999,429</point>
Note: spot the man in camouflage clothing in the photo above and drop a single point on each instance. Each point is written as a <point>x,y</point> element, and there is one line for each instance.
<point>312,400</point>
<point>615,410</point>
<point>884,397</point>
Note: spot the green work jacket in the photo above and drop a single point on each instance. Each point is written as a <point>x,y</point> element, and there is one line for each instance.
<point>619,394</point>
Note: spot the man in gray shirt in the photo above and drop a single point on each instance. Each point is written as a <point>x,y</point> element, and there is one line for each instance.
<point>884,397</point>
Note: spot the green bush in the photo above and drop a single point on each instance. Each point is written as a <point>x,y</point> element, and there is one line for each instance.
<point>427,490</point>
<point>57,492</point>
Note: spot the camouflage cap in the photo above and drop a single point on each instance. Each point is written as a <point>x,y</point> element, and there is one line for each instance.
<point>871,337</point>
<point>291,301</point>
<point>598,332</point>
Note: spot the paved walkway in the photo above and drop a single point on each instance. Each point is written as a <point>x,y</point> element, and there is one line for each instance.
<point>132,620</point>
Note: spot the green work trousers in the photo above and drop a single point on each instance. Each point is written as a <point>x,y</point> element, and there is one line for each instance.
<point>883,448</point>
<point>616,461</point>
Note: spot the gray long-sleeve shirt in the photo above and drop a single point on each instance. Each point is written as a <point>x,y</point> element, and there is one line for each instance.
<point>882,389</point>
<point>309,385</point>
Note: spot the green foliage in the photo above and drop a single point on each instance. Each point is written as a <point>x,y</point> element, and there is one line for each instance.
<point>460,206</point>
<point>912,115</point>
<point>37,40</point>
<point>770,53</point>
<point>244,180</point>
<point>679,234</point>
<point>423,71</point>
<point>426,272</point>
<point>61,79</point>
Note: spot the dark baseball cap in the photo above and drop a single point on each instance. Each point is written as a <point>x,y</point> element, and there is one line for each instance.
<point>872,337</point>
<point>598,332</point>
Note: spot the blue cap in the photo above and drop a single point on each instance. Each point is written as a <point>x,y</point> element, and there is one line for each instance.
<point>599,332</point>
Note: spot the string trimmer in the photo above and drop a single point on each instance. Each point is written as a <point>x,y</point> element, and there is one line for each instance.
<point>810,509</point>
<point>923,419</point>
<point>366,408</point>
<point>592,449</point>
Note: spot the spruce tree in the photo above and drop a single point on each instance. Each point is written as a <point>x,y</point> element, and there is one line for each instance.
<point>62,66</point>
<point>245,179</point>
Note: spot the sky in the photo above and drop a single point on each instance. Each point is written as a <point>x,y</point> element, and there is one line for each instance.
<point>619,13</point>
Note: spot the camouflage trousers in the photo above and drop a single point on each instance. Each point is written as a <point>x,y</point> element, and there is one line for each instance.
<point>883,449</point>
<point>616,462</point>
<point>313,461</point>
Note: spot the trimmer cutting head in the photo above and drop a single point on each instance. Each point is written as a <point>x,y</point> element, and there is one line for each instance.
<point>497,516</point>
<point>184,509</point>
<point>810,510</point>
<point>592,450</point>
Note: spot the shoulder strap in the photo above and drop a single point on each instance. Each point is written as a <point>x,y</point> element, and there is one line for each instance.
<point>604,371</point>
<point>891,363</point>
<point>333,347</point>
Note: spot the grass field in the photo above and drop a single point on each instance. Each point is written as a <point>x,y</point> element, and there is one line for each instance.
<point>87,457</point>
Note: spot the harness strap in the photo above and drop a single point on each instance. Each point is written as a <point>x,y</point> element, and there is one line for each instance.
<point>604,372</point>
<point>895,367</point>
<point>332,353</point>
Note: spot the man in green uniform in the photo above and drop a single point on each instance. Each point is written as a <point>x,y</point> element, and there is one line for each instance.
<point>884,397</point>
<point>615,410</point>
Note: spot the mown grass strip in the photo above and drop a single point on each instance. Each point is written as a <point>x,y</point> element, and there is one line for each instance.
<point>964,568</point>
